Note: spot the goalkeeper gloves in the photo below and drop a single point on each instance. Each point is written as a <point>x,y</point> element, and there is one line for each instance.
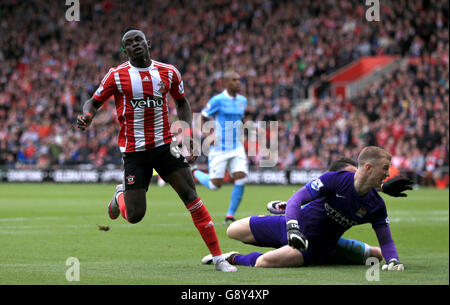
<point>395,186</point>
<point>393,264</point>
<point>295,238</point>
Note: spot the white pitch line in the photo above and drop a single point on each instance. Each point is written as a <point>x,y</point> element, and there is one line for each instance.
<point>47,218</point>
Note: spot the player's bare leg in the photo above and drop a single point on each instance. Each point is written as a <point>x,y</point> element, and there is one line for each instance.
<point>217,182</point>
<point>285,256</point>
<point>240,230</point>
<point>136,204</point>
<point>281,257</point>
<point>376,252</point>
<point>182,182</point>
<point>134,208</point>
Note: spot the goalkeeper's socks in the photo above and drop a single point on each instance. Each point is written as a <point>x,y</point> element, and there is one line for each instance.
<point>236,197</point>
<point>203,223</point>
<point>122,206</point>
<point>203,178</point>
<point>245,260</point>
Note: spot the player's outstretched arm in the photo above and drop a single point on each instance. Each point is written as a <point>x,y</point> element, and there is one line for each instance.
<point>90,108</point>
<point>184,114</point>
<point>388,249</point>
<point>396,186</point>
<point>295,237</point>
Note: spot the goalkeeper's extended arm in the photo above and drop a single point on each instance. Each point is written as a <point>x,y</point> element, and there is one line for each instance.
<point>295,238</point>
<point>388,249</point>
<point>396,186</point>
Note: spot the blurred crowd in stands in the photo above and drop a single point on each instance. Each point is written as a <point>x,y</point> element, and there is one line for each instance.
<point>50,66</point>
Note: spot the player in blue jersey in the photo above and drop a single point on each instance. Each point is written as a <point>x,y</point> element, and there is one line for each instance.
<point>332,204</point>
<point>227,152</point>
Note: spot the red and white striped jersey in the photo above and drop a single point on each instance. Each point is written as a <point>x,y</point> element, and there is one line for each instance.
<point>141,101</point>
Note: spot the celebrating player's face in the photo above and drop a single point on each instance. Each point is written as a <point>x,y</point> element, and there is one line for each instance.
<point>135,44</point>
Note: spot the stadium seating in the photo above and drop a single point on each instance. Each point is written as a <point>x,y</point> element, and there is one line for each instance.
<point>50,66</point>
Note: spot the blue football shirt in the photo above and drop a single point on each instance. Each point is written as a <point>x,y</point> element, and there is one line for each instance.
<point>227,113</point>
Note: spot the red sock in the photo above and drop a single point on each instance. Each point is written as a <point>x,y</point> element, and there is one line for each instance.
<point>122,206</point>
<point>202,220</point>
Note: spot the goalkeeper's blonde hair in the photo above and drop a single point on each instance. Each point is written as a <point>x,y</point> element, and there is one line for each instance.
<point>372,154</point>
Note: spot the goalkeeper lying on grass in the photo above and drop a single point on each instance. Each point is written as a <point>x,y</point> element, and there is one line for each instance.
<point>337,206</point>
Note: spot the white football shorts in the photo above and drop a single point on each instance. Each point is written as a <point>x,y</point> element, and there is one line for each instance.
<point>231,161</point>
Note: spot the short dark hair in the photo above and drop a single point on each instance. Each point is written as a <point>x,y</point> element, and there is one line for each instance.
<point>129,28</point>
<point>340,164</point>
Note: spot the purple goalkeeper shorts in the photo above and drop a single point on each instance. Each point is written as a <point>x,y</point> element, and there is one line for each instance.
<point>270,231</point>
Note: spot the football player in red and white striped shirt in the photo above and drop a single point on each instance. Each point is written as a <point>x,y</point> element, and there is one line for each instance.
<point>140,88</point>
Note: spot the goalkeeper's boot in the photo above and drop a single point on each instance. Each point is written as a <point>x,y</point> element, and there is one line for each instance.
<point>113,207</point>
<point>208,259</point>
<point>276,207</point>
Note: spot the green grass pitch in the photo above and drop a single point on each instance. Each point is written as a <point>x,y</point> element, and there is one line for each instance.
<point>42,225</point>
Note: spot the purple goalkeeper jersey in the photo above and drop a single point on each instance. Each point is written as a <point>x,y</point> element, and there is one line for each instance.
<point>332,206</point>
<point>337,206</point>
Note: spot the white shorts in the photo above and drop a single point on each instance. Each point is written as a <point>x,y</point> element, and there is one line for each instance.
<point>233,161</point>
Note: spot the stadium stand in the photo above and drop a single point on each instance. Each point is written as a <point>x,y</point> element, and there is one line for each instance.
<point>51,66</point>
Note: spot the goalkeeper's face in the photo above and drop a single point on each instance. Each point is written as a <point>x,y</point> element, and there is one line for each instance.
<point>378,171</point>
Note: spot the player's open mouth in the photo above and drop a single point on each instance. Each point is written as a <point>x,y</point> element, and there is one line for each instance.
<point>138,50</point>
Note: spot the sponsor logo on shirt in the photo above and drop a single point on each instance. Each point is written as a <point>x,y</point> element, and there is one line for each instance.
<point>147,103</point>
<point>338,218</point>
<point>316,184</point>
<point>181,88</point>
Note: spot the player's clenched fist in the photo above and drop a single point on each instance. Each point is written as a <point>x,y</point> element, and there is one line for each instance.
<point>393,264</point>
<point>295,238</point>
<point>84,120</point>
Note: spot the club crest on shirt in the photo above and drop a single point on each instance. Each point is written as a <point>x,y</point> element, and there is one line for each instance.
<point>162,88</point>
<point>130,179</point>
<point>361,212</point>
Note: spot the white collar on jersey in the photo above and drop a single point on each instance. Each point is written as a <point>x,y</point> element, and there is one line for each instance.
<point>225,92</point>
<point>142,69</point>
